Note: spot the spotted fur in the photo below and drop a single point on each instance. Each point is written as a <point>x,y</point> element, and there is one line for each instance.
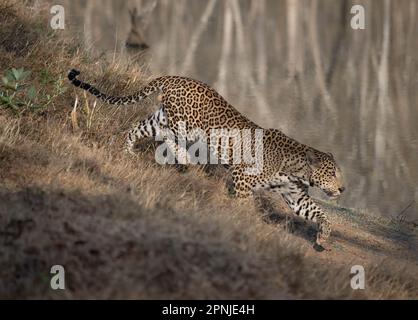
<point>289,167</point>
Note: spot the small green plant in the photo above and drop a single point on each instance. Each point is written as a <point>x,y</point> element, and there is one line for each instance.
<point>18,94</point>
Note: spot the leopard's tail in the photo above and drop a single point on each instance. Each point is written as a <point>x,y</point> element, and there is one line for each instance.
<point>115,100</point>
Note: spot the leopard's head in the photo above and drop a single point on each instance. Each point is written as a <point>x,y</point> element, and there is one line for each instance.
<point>325,173</point>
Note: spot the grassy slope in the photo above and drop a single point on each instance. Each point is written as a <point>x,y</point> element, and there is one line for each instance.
<point>128,228</point>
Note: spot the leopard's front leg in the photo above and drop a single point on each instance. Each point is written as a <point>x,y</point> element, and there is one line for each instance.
<point>305,207</point>
<point>324,231</point>
<point>296,196</point>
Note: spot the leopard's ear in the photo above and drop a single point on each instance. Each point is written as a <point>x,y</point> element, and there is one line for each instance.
<point>331,155</point>
<point>312,159</point>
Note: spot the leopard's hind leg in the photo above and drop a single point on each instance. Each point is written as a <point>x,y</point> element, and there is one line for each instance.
<point>150,127</point>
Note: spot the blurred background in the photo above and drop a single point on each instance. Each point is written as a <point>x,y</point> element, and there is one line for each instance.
<point>296,65</point>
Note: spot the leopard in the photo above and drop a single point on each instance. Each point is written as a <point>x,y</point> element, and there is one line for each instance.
<point>289,168</point>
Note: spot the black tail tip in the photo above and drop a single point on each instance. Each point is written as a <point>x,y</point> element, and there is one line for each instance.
<point>73,74</point>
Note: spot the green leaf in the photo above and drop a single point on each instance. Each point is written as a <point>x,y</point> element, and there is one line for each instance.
<point>4,99</point>
<point>16,73</point>
<point>5,80</point>
<point>20,74</point>
<point>31,93</point>
<point>9,75</point>
<point>45,76</point>
<point>25,74</point>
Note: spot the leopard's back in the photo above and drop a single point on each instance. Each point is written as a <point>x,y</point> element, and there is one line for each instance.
<point>198,105</point>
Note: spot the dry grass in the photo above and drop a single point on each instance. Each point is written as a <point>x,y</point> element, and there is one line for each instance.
<point>126,227</point>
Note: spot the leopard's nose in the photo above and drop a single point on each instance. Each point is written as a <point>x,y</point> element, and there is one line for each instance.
<point>341,189</point>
